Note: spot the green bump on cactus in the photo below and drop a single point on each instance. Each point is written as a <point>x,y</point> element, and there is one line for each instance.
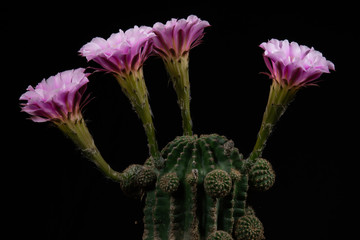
<point>249,211</point>
<point>235,175</point>
<point>169,182</point>
<point>249,227</point>
<point>262,175</point>
<point>129,181</point>
<point>220,235</point>
<point>191,178</point>
<point>149,162</point>
<point>146,177</point>
<point>217,183</point>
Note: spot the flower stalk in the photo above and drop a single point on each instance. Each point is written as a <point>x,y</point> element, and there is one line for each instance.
<point>133,86</point>
<point>78,132</point>
<point>179,75</point>
<point>279,99</point>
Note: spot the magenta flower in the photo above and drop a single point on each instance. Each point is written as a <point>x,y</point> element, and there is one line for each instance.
<point>292,64</point>
<point>122,51</point>
<point>58,98</point>
<point>177,37</point>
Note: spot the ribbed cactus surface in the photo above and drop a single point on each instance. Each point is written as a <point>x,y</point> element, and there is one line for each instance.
<point>200,191</point>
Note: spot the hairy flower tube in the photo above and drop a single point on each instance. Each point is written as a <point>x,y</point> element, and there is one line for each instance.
<point>124,54</point>
<point>292,66</point>
<point>58,99</point>
<point>172,43</point>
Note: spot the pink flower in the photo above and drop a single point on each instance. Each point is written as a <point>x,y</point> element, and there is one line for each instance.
<point>57,98</point>
<point>294,65</point>
<point>122,51</point>
<point>177,37</point>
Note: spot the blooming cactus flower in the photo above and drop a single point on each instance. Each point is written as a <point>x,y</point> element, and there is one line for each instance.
<point>58,98</point>
<point>292,64</point>
<point>172,43</point>
<point>177,37</point>
<point>124,54</point>
<point>122,51</point>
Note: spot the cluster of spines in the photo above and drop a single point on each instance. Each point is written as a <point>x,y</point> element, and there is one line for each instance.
<point>200,191</point>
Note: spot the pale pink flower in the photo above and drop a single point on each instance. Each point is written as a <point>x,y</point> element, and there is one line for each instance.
<point>292,64</point>
<point>122,52</point>
<point>58,98</point>
<point>177,37</point>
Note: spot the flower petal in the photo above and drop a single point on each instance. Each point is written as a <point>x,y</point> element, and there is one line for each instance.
<point>54,98</point>
<point>294,64</point>
<point>177,37</point>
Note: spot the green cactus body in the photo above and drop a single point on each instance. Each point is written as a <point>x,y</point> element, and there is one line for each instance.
<point>200,192</point>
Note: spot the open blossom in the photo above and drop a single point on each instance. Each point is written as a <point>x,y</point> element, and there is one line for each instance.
<point>293,64</point>
<point>57,98</point>
<point>173,41</point>
<point>177,37</point>
<point>124,54</point>
<point>122,51</point>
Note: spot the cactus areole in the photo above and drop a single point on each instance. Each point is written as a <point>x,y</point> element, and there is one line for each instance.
<point>196,187</point>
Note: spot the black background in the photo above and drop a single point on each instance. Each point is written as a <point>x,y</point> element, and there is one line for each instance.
<point>54,193</point>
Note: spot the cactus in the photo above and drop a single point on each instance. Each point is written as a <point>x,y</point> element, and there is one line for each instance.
<point>200,193</point>
<point>195,188</point>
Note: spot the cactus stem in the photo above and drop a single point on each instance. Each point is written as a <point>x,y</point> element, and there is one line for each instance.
<point>200,193</point>
<point>211,219</point>
<point>226,212</point>
<point>149,227</point>
<point>161,214</point>
<point>240,194</point>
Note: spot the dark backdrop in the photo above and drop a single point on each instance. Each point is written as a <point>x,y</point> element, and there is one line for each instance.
<point>54,193</point>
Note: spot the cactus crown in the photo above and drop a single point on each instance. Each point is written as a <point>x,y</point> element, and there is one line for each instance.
<point>198,155</point>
